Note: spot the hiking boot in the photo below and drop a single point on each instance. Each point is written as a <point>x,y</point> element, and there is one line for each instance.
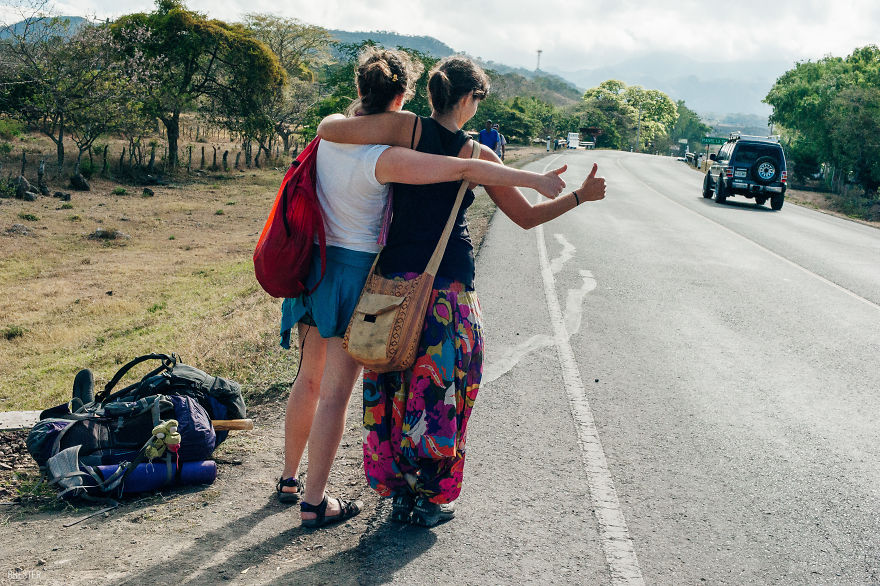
<point>402,507</point>
<point>428,514</point>
<point>83,389</point>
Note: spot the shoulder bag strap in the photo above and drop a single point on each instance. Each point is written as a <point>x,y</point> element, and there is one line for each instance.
<point>434,263</point>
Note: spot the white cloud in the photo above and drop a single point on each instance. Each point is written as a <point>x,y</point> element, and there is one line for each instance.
<point>581,35</point>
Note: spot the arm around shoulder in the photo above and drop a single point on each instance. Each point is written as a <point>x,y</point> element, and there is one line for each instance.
<point>394,128</point>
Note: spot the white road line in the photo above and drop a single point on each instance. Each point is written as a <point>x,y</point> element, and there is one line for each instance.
<point>618,547</point>
<point>807,271</point>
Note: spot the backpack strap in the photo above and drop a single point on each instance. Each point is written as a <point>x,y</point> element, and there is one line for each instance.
<point>168,363</point>
<point>437,257</point>
<point>412,141</point>
<point>319,226</point>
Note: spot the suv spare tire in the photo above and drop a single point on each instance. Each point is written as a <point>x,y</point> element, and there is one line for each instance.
<point>765,170</point>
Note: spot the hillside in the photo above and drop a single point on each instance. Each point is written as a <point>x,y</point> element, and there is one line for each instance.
<point>507,81</point>
<point>427,45</point>
<point>74,22</point>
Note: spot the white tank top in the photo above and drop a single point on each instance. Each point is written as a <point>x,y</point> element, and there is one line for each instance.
<point>351,197</point>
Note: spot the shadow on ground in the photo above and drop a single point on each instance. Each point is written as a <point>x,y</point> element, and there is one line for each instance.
<point>381,551</point>
<point>749,206</point>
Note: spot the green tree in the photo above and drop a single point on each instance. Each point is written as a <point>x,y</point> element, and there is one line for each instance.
<point>826,111</point>
<point>656,114</point>
<point>301,48</point>
<point>605,107</point>
<point>689,126</point>
<point>64,82</point>
<point>855,134</point>
<point>212,67</point>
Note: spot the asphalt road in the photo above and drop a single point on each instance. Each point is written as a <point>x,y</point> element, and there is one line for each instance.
<point>676,392</point>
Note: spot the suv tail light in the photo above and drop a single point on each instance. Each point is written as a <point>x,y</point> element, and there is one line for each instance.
<point>728,172</point>
<point>784,176</point>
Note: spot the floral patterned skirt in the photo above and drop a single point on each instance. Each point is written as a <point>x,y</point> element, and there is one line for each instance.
<point>415,421</point>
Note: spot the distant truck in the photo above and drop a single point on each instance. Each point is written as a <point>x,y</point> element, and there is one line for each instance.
<point>574,140</point>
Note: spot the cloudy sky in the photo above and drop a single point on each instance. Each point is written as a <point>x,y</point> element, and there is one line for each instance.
<point>573,34</point>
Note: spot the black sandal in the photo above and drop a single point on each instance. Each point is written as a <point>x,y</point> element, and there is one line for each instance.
<point>347,510</point>
<point>286,497</point>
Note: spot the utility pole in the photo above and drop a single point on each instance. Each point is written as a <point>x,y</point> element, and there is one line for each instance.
<point>538,67</point>
<point>639,131</point>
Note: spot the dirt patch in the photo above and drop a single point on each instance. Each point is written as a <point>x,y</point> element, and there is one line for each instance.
<point>15,463</point>
<point>232,531</point>
<point>828,203</point>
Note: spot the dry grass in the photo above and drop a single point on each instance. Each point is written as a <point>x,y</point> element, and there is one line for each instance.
<point>182,281</point>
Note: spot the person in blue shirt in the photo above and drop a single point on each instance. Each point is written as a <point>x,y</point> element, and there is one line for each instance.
<point>489,136</point>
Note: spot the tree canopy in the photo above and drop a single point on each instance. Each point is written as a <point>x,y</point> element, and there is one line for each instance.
<point>217,68</point>
<point>828,111</point>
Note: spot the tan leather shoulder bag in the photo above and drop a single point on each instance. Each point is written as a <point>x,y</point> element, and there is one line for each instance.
<point>386,325</point>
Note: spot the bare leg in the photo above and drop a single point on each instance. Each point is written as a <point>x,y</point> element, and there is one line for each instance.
<point>341,373</point>
<point>303,399</point>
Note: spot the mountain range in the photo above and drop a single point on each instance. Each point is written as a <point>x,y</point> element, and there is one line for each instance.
<point>714,89</point>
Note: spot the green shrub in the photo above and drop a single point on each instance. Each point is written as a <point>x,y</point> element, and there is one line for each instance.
<point>119,191</point>
<point>28,216</point>
<point>9,129</point>
<point>218,213</point>
<point>75,218</point>
<point>156,307</point>
<point>66,206</point>
<point>87,168</point>
<point>12,332</point>
<point>854,206</point>
<point>5,149</point>
<point>7,188</point>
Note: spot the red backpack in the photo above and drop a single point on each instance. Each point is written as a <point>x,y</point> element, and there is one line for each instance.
<point>284,250</point>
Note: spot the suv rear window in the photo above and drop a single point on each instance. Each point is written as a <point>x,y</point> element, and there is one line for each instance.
<point>748,153</point>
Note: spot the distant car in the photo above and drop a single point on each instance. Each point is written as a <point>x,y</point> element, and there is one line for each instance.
<point>750,166</point>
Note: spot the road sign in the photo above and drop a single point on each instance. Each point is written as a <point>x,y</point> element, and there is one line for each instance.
<point>713,140</point>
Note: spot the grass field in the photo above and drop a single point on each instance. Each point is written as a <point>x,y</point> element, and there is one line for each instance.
<point>178,278</point>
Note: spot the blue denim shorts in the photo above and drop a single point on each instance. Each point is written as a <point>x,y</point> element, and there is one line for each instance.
<point>330,305</point>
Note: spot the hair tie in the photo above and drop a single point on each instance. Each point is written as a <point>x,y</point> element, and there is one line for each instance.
<point>394,77</point>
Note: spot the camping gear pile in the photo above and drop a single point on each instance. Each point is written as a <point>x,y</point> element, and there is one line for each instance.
<point>158,432</point>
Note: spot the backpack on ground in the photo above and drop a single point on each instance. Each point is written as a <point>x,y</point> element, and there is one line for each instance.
<point>90,445</point>
<point>284,251</point>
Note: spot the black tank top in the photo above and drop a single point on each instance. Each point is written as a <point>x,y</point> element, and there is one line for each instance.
<point>420,213</point>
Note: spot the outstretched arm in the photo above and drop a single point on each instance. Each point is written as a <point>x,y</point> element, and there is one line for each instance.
<point>402,165</point>
<point>394,128</point>
<point>528,215</point>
